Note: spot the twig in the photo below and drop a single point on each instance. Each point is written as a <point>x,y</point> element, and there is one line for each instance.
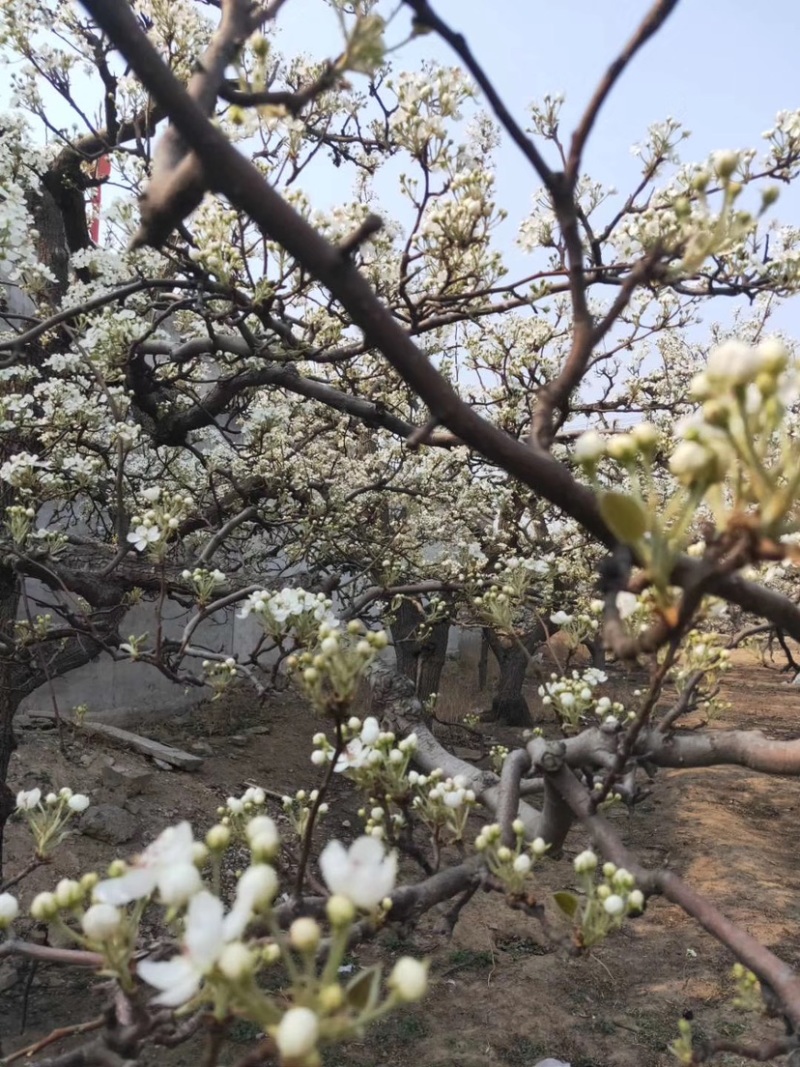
<point>56,1035</point>
<point>652,22</point>
<point>768,967</point>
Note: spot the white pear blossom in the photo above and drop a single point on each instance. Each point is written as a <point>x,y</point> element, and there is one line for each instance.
<point>173,848</point>
<point>364,873</point>
<point>143,536</point>
<point>78,802</point>
<point>204,940</point>
<point>27,800</point>
<point>627,603</point>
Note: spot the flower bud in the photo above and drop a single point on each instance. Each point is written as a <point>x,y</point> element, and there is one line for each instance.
<point>262,836</point>
<point>586,862</point>
<point>44,907</point>
<point>78,802</point>
<point>218,838</point>
<point>304,935</point>
<point>623,448</point>
<point>297,1033</point>
<point>409,979</point>
<point>101,922</point>
<point>614,905</point>
<point>9,910</point>
<point>636,900</point>
<point>724,163</point>
<point>236,961</point>
<point>589,448</point>
<point>331,998</point>
<point>68,893</point>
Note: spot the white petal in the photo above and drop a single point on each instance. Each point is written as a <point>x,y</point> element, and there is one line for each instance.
<point>133,885</point>
<point>204,931</point>
<point>334,865</point>
<point>176,978</point>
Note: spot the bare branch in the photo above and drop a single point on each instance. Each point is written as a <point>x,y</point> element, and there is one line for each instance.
<point>652,22</point>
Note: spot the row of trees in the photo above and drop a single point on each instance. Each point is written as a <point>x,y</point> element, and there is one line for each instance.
<point>237,384</point>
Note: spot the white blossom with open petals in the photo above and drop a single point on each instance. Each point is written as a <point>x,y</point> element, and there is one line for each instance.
<point>204,939</point>
<point>365,873</point>
<point>28,799</point>
<point>173,849</point>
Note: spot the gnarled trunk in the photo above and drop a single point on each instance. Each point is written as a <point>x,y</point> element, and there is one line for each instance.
<point>10,695</point>
<point>420,653</point>
<point>509,705</point>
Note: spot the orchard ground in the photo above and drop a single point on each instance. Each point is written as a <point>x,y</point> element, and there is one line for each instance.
<point>500,993</point>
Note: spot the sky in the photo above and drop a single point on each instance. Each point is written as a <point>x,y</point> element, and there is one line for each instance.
<point>723,68</point>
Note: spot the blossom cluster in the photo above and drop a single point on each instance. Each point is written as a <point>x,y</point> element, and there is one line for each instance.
<point>155,525</point>
<point>573,698</point>
<point>219,962</point>
<point>203,581</point>
<point>511,866</point>
<point>47,816</point>
<point>288,610</point>
<point>298,809</point>
<point>605,904</point>
<point>331,670</point>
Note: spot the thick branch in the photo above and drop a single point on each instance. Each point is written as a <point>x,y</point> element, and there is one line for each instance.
<point>768,967</point>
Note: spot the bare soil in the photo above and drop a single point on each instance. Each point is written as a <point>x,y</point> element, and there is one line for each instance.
<point>501,994</point>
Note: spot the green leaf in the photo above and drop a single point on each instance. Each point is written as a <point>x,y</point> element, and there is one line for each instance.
<point>363,991</point>
<point>624,516</point>
<point>567,902</point>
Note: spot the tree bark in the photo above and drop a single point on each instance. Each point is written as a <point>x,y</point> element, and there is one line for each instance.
<point>483,662</point>
<point>420,658</point>
<point>509,705</point>
<point>10,696</point>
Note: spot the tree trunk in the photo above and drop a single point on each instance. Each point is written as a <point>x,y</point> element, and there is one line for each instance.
<point>509,705</point>
<point>483,662</point>
<point>10,696</point>
<point>420,659</point>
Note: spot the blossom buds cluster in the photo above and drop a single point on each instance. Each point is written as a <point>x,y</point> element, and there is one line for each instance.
<point>442,804</point>
<point>153,527</point>
<point>605,904</point>
<point>331,671</point>
<point>19,520</point>
<point>572,698</point>
<point>497,757</point>
<point>204,582</point>
<point>219,674</point>
<point>511,866</point>
<point>299,807</point>
<point>739,433</point>
<point>749,996</point>
<point>627,449</point>
<point>48,816</point>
